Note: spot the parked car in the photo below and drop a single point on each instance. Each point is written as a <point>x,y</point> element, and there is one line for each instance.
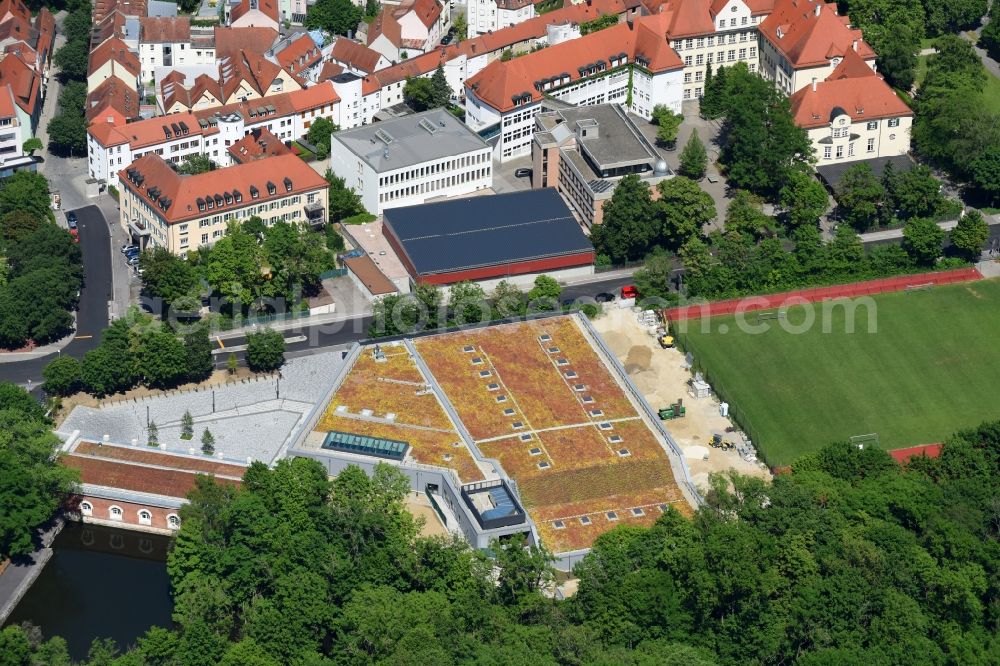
<point>523,172</point>
<point>125,249</point>
<point>75,234</point>
<point>629,291</point>
<point>133,260</point>
<point>71,219</point>
<point>604,297</point>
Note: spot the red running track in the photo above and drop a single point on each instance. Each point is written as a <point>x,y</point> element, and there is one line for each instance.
<point>789,298</point>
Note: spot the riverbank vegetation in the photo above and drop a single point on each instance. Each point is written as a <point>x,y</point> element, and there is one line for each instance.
<point>847,558</point>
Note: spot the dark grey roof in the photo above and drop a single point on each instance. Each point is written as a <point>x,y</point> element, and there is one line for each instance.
<point>832,173</point>
<point>486,231</point>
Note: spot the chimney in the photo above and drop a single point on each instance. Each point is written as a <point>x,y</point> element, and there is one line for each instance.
<point>855,45</point>
<point>814,84</point>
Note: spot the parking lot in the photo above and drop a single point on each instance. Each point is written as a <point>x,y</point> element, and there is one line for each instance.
<point>504,179</point>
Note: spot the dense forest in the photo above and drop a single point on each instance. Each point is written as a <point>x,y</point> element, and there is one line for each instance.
<point>848,559</point>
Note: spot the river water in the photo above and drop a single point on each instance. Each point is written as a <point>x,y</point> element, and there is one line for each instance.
<point>100,583</point>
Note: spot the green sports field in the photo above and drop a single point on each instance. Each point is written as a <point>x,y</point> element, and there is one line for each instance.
<point>932,367</point>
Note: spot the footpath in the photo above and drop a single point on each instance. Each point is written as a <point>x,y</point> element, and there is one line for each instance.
<point>17,578</point>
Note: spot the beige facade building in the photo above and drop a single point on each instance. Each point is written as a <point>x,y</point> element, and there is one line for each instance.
<point>853,115</point>
<point>161,208</point>
<point>803,41</point>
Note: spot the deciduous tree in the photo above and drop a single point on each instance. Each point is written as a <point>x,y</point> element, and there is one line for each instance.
<point>970,235</point>
<point>693,158</point>
<point>804,197</point>
<point>630,226</point>
<point>922,239</point>
<point>62,375</point>
<point>265,350</point>
<point>860,196</point>
<point>684,209</point>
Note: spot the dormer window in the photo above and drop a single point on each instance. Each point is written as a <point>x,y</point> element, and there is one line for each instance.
<point>288,184</point>
<point>254,192</point>
<point>201,204</point>
<point>238,196</point>
<point>229,199</point>
<point>271,188</point>
<point>210,203</point>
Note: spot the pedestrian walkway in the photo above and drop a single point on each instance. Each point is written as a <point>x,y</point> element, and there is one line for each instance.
<point>17,578</point>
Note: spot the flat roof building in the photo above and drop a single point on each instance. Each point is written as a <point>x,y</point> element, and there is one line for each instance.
<point>583,152</point>
<point>508,236</point>
<point>409,160</point>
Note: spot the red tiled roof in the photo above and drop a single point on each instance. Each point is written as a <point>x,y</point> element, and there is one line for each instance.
<point>757,7</point>
<point>257,145</point>
<point>112,25</point>
<point>115,94</point>
<point>235,69</point>
<point>428,11</point>
<point>808,37</point>
<point>114,49</point>
<point>688,18</point>
<point>23,80</point>
<point>8,108</point>
<point>501,81</point>
<point>851,67</point>
<point>863,97</point>
<point>356,55</point>
<point>330,69</point>
<point>150,131</point>
<point>135,477</point>
<point>183,192</point>
<point>14,8</point>
<point>300,54</point>
<point>165,29</point>
<point>268,8</point>
<point>103,8</point>
<point>904,455</point>
<point>254,39</point>
<point>385,24</point>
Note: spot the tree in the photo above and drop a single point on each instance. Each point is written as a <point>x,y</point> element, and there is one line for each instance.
<point>187,425</point>
<point>804,198</point>
<point>422,93</point>
<point>198,349</point>
<point>745,215</point>
<point>163,360</point>
<point>713,102</point>
<point>194,164</point>
<point>320,134</point>
<point>32,482</point>
<point>334,241</point>
<point>32,144</point>
<point>468,304</point>
<point>970,235</point>
<point>26,191</point>
<point>152,434</point>
<point>922,239</point>
<point>71,60</point>
<point>984,169</point>
<point>167,276</point>
<point>544,295</point>
<point>461,26</point>
<point>107,370</point>
<point>508,300</point>
<point>684,209</point>
<point>916,193</point>
<point>953,17</point>
<point>694,158</point>
<point>208,443</point>
<point>265,350</point>
<point>62,375</point>
<point>439,85</point>
<point>234,266</point>
<point>629,224</point>
<point>344,201</point>
<point>372,8</point>
<point>68,134</point>
<point>761,142</point>
<point>989,36</point>
<point>600,23</point>
<point>653,279</point>
<point>668,124</point>
<point>860,196</point>
<point>338,17</point>
<point>894,29</point>
<point>77,25</point>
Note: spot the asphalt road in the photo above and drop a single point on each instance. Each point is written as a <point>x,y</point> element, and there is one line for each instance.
<point>340,333</point>
<point>92,317</point>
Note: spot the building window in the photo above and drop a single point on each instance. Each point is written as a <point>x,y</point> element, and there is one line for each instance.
<point>145,517</point>
<point>173,521</point>
<point>871,145</point>
<point>115,513</point>
<point>743,54</point>
<point>850,149</point>
<point>86,508</point>
<point>687,77</point>
<point>826,152</point>
<point>840,152</point>
<point>893,122</point>
<point>872,125</point>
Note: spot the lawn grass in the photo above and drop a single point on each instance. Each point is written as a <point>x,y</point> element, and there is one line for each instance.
<point>930,369</point>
